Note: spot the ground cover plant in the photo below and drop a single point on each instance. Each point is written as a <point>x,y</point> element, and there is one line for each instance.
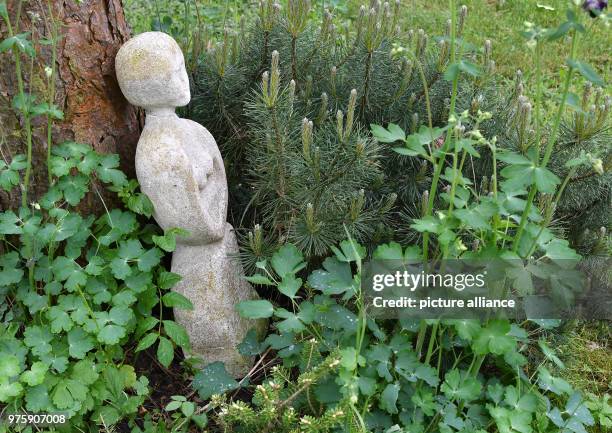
<point>343,145</point>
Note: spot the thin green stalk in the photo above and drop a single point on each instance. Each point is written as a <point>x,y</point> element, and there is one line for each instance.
<point>26,116</point>
<point>453,101</point>
<point>551,142</point>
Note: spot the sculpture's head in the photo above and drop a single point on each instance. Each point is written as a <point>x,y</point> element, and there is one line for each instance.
<point>151,71</point>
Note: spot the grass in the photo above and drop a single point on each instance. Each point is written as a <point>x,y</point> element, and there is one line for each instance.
<point>587,352</point>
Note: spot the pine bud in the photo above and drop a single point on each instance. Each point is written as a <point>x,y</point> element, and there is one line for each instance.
<point>291,97</point>
<point>350,114</point>
<point>333,80</point>
<point>359,149</point>
<point>409,37</point>
<point>360,22</point>
<point>308,90</point>
<point>421,43</point>
<point>274,78</point>
<point>339,124</point>
<point>310,218</point>
<point>306,138</point>
<point>265,81</point>
<point>414,126</point>
<point>411,101</point>
<point>323,109</point>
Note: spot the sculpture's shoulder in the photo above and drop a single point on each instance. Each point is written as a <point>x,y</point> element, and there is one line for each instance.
<point>156,133</point>
<point>200,130</point>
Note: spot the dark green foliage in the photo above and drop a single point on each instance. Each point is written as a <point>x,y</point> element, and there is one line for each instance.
<point>289,102</point>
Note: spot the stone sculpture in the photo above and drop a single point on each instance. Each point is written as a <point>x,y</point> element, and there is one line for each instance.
<point>179,166</point>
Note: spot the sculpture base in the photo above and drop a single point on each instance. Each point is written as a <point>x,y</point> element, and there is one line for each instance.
<point>213,281</point>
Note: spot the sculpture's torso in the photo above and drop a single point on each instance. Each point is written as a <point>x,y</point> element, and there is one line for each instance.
<point>180,168</point>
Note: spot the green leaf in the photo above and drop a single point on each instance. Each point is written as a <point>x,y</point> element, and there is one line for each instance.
<point>165,352</point>
<point>167,242</point>
<point>289,286</point>
<point>3,11</point>
<point>287,260</point>
<point>111,334</point>
<point>146,342</point>
<point>388,398</point>
<point>250,346</point>
<point>60,320</point>
<point>108,173</point>
<point>85,371</point>
<point>175,299</point>
<point>79,343</point>
<point>213,379</point>
<point>9,223</point>
<point>167,280</point>
<point>452,71</point>
<point>350,251</point>
<point>139,282</point>
<point>545,180</point>
<point>426,224</point>
<point>36,374</point>
<point>177,333</point>
<point>494,338</point>
<point>550,353</point>
<point>9,390</point>
<point>467,328</point>
<point>38,339</point>
<point>37,399</point>
<point>259,309</point>
<point>19,42</point>
<point>459,388</point>
<point>260,279</point>
<point>149,260</point>
<point>586,71</point>
<point>292,322</point>
<point>334,279</point>
<point>389,135</point>
<point>548,382</point>
<point>9,366</point>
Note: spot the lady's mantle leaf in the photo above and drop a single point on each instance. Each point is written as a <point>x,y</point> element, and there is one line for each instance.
<point>259,309</point>
<point>213,379</point>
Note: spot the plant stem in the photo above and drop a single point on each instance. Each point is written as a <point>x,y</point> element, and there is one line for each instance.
<point>453,101</point>
<point>551,142</point>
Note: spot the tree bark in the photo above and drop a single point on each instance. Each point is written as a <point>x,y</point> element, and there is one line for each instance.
<point>95,111</point>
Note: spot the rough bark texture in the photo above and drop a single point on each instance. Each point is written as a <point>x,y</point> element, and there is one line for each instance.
<point>95,111</point>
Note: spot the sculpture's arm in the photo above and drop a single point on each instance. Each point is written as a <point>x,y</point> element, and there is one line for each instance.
<point>166,176</point>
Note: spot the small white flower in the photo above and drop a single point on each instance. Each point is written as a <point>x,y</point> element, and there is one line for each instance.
<point>48,71</point>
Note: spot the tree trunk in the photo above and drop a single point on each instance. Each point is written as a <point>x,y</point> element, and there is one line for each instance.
<point>95,111</point>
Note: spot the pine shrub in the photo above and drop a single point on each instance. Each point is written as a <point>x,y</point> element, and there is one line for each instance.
<point>290,100</point>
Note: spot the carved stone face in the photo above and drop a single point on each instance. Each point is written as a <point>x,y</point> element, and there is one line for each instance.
<point>151,72</point>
